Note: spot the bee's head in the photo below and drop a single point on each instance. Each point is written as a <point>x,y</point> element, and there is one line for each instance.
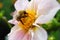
<point>22,14</point>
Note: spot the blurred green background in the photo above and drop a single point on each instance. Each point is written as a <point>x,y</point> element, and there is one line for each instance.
<point>7,7</point>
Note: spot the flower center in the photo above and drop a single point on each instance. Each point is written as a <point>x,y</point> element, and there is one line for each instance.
<point>26,19</point>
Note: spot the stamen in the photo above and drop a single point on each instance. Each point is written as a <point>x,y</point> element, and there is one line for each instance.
<point>26,19</point>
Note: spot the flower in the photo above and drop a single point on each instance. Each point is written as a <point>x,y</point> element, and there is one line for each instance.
<point>27,17</point>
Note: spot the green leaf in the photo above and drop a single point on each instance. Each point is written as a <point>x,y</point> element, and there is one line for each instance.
<point>58,1</point>
<point>57,16</point>
<point>54,35</point>
<point>8,7</point>
<point>1,13</point>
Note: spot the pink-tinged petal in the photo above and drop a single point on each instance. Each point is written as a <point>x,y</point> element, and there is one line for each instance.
<point>21,4</point>
<point>18,34</point>
<point>13,29</point>
<point>27,36</point>
<point>40,34</point>
<point>46,6</point>
<point>48,17</point>
<point>13,21</point>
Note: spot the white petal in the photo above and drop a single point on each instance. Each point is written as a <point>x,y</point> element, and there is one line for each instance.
<point>14,13</point>
<point>13,21</point>
<point>45,6</point>
<point>21,4</point>
<point>40,34</point>
<point>33,4</point>
<point>48,17</point>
